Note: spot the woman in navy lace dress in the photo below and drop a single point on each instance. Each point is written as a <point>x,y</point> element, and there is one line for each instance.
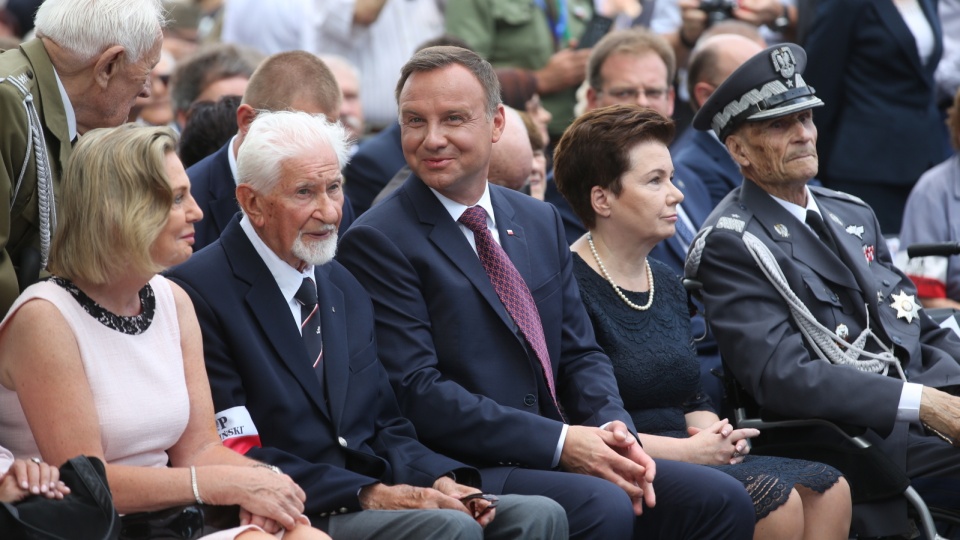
<point>614,168</point>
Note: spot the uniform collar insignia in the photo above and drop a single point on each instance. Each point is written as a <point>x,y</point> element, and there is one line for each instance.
<point>836,219</point>
<point>781,230</point>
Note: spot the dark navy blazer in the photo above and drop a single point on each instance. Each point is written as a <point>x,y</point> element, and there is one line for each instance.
<point>463,374</point>
<point>707,161</point>
<point>371,168</point>
<point>879,122</point>
<point>332,441</point>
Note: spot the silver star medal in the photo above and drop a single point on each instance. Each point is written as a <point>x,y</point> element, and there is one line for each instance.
<point>906,306</point>
<point>856,230</point>
<point>781,230</point>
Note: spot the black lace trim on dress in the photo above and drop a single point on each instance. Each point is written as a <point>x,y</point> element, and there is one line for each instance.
<point>133,326</point>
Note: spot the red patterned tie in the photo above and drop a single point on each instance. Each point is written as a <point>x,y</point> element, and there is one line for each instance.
<point>511,289</point>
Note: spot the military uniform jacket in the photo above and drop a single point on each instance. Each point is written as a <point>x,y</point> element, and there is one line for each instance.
<point>763,346</point>
<point>19,221</point>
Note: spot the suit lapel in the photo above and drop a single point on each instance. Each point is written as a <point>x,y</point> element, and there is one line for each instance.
<point>271,311</point>
<point>512,239</point>
<point>713,148</point>
<point>449,239</point>
<point>223,211</point>
<point>901,34</point>
<point>852,247</point>
<point>795,238</point>
<point>336,355</point>
<point>223,198</point>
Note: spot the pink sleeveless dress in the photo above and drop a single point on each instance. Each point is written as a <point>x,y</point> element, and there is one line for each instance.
<point>134,366</point>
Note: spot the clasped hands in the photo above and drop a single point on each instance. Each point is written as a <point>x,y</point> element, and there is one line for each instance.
<point>718,444</point>
<point>34,477</point>
<point>611,453</point>
<point>445,493</point>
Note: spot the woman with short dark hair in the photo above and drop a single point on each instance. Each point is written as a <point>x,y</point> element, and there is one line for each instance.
<point>613,166</point>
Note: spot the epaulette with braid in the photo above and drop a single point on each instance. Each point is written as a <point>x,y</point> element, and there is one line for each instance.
<point>37,145</point>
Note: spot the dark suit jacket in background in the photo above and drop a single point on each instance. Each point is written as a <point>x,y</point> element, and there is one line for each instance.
<point>376,161</point>
<point>879,122</point>
<point>256,359</point>
<point>705,159</point>
<point>463,374</point>
<point>696,203</point>
<point>573,228</point>
<point>214,188</point>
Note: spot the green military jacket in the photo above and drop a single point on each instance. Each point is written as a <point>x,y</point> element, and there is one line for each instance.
<point>20,215</point>
<point>517,33</point>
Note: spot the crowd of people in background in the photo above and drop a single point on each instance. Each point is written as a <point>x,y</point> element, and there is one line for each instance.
<point>413,268</point>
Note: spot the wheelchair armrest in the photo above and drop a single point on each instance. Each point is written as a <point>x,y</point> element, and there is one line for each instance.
<point>851,433</point>
<point>941,314</point>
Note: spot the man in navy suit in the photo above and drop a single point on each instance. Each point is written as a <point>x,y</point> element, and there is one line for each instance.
<point>328,419</point>
<point>516,386</point>
<point>294,80</point>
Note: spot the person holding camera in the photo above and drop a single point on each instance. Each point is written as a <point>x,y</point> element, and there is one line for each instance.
<point>683,22</point>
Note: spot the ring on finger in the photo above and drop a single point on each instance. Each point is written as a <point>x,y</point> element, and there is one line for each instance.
<point>736,454</point>
<point>36,460</point>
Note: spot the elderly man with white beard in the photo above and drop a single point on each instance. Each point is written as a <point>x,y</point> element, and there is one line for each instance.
<point>293,366</point>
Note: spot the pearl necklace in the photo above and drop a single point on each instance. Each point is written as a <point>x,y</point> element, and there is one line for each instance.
<point>603,269</point>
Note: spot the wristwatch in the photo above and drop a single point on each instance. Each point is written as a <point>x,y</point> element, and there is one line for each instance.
<point>783,21</point>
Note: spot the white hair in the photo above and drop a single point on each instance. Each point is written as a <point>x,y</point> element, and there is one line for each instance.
<point>275,137</point>
<point>88,27</point>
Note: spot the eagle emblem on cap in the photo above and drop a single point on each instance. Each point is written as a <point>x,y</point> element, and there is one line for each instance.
<point>784,62</point>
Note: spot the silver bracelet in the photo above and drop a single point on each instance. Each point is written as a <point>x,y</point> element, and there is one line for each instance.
<point>273,468</point>
<point>193,482</point>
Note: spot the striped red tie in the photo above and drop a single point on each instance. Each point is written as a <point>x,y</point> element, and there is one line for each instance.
<point>310,324</point>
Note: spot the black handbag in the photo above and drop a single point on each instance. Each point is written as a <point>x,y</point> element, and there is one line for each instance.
<point>87,512</point>
<point>186,522</point>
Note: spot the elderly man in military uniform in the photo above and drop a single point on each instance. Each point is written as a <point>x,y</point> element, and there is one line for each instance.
<point>84,70</point>
<point>810,313</point>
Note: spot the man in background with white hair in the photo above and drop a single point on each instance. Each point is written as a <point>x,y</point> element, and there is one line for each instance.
<point>90,60</point>
<point>351,107</point>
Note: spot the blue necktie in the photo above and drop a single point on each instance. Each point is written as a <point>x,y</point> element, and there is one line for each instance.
<point>684,234</point>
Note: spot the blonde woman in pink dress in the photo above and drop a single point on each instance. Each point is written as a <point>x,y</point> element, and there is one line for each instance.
<point>105,358</point>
